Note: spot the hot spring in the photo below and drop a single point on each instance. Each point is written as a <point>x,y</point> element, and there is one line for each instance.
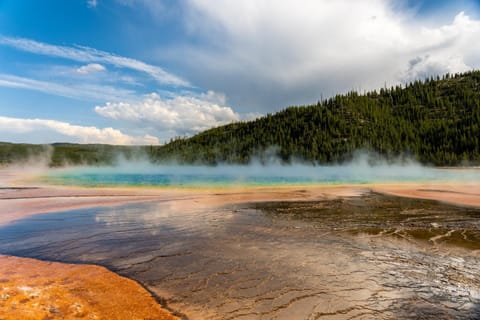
<point>145,174</point>
<point>235,255</point>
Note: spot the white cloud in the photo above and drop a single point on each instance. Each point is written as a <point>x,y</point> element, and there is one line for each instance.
<point>180,114</point>
<point>92,3</point>
<point>268,53</point>
<point>89,92</point>
<point>86,54</point>
<point>90,68</point>
<point>52,129</point>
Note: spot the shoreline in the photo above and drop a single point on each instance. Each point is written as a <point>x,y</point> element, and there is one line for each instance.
<point>19,200</point>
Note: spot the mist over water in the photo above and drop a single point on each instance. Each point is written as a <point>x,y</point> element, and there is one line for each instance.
<point>366,255</point>
<point>363,169</point>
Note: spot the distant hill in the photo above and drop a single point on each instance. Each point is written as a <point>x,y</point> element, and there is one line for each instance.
<point>62,154</point>
<point>436,121</point>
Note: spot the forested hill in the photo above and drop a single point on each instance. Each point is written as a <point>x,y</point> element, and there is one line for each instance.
<point>437,121</point>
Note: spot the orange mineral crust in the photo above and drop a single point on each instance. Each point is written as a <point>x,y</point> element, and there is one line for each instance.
<point>32,289</point>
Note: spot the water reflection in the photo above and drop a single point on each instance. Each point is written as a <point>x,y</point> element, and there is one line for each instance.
<point>371,257</point>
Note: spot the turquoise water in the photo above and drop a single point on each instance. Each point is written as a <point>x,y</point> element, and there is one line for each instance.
<point>253,175</point>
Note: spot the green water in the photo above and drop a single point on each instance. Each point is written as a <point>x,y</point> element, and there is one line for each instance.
<point>254,175</point>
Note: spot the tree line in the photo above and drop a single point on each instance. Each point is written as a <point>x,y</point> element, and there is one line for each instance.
<point>436,121</point>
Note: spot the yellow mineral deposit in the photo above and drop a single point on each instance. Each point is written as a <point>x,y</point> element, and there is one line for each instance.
<point>32,289</point>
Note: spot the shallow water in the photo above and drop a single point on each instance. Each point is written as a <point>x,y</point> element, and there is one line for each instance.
<point>253,175</point>
<point>372,257</point>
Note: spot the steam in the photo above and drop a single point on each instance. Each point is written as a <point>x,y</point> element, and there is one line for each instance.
<point>28,158</point>
<point>364,168</point>
<point>135,169</point>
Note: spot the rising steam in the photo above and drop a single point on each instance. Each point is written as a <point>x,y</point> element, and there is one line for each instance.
<point>364,168</point>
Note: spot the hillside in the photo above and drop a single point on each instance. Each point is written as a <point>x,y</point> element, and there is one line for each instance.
<point>436,121</point>
<point>62,154</point>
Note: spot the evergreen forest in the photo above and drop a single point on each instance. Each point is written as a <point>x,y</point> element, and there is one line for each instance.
<point>435,121</point>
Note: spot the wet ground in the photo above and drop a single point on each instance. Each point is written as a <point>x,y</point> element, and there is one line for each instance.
<point>368,257</point>
<point>39,290</point>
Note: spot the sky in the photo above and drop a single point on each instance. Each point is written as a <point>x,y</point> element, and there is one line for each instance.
<point>146,71</point>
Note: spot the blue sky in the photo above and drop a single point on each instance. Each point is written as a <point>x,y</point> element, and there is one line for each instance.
<point>144,71</point>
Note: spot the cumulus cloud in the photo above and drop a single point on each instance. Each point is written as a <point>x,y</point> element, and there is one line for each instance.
<point>181,114</point>
<point>448,48</point>
<point>86,54</point>
<point>90,68</point>
<point>50,130</point>
<point>269,54</point>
